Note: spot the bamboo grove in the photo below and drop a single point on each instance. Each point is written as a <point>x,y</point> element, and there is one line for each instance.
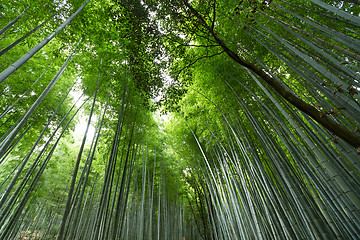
<point>179,119</point>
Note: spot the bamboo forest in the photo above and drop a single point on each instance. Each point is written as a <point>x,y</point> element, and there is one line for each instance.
<point>179,119</point>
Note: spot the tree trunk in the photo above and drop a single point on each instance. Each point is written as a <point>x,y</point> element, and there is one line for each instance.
<point>337,129</point>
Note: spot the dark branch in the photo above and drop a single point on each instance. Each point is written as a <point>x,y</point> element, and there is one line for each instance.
<point>195,61</point>
<point>331,125</point>
<point>214,15</point>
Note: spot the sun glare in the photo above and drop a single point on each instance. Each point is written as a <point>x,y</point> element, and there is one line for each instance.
<point>80,128</point>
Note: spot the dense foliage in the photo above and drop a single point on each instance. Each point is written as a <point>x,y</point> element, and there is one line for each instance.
<point>176,119</point>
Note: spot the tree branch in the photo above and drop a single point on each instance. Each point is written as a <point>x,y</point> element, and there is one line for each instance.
<point>192,45</point>
<point>214,15</point>
<point>337,129</point>
<point>196,60</point>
